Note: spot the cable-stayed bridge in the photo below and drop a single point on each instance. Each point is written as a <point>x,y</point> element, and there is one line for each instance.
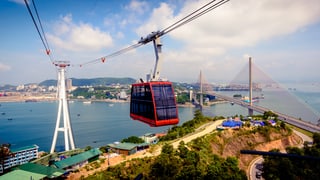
<point>250,86</point>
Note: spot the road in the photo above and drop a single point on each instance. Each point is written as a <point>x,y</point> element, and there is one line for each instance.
<point>203,130</point>
<point>259,160</point>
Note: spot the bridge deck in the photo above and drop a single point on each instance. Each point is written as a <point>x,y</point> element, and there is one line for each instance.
<point>288,119</point>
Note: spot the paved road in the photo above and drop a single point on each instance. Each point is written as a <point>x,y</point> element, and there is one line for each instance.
<point>206,129</point>
<point>253,170</point>
<point>259,160</point>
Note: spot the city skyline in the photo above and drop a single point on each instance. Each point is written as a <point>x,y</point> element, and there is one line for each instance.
<point>283,39</point>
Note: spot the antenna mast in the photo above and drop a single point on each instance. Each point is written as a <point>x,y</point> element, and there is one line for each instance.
<point>63,108</point>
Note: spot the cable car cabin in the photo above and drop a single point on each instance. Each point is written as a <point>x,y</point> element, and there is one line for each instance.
<point>154,103</point>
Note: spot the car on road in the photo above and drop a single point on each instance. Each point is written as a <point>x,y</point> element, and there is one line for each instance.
<point>259,166</point>
<point>258,174</point>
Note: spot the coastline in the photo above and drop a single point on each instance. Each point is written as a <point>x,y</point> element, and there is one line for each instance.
<point>52,97</point>
<point>22,98</point>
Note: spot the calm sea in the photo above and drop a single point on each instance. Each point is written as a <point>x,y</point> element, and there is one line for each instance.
<point>100,123</point>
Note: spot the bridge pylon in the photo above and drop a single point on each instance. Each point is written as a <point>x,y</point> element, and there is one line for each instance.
<point>250,110</point>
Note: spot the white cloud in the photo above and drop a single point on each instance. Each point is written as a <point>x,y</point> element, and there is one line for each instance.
<point>18,1</point>
<point>70,36</point>
<point>241,24</point>
<point>4,67</point>
<point>160,18</point>
<point>137,6</point>
<point>234,25</point>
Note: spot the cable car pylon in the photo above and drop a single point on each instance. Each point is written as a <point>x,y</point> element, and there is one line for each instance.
<point>63,108</point>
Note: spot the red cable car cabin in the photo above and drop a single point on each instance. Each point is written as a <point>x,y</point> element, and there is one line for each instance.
<point>154,103</point>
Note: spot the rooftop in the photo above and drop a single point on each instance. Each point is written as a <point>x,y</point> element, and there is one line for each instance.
<point>78,158</point>
<point>126,146</point>
<point>49,172</point>
<point>21,174</point>
<point>14,150</point>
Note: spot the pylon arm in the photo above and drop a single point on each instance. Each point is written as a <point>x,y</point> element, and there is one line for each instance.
<point>151,37</point>
<point>157,67</point>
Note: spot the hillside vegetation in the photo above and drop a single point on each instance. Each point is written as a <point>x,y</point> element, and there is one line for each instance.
<point>214,156</point>
<point>92,82</point>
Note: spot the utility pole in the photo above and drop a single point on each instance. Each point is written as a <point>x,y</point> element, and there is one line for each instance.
<point>63,108</point>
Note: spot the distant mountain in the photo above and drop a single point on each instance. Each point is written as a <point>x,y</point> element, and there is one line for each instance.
<point>7,87</point>
<point>92,82</point>
<point>50,82</point>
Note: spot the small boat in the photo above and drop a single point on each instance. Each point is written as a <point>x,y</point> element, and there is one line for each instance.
<point>232,103</point>
<point>86,102</point>
<point>111,105</point>
<point>31,100</point>
<point>3,113</point>
<point>9,119</point>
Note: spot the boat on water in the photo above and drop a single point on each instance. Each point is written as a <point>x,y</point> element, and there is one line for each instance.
<point>31,100</point>
<point>86,102</point>
<point>111,105</point>
<point>247,100</point>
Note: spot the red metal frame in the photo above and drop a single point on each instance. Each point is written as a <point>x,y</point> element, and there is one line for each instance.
<point>155,122</point>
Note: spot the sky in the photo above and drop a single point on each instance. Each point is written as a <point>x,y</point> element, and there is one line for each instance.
<point>282,37</point>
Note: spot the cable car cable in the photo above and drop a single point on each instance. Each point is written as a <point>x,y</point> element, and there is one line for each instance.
<point>176,25</point>
<point>41,27</point>
<point>192,16</point>
<point>42,36</point>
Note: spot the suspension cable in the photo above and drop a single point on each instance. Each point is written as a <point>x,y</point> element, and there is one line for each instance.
<point>192,16</point>
<point>41,34</point>
<point>195,16</point>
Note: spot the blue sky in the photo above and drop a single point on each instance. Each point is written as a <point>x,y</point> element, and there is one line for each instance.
<point>283,38</point>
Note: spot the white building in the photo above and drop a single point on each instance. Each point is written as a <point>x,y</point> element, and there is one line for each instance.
<point>20,87</point>
<point>20,156</point>
<point>150,138</point>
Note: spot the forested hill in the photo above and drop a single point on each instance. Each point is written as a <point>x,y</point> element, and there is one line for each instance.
<point>92,82</point>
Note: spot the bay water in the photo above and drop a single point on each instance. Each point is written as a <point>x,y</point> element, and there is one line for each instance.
<point>100,123</point>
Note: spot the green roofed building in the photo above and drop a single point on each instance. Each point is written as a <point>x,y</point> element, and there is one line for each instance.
<point>19,156</point>
<point>21,174</point>
<point>50,172</point>
<point>76,161</point>
<point>127,148</point>
<point>34,172</point>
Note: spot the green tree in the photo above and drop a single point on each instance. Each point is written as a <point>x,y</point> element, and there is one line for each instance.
<point>132,139</point>
<point>182,98</point>
<point>316,139</point>
<point>198,116</point>
<point>167,149</point>
<point>4,152</point>
<point>269,114</point>
<point>88,148</point>
<point>295,167</point>
<point>165,166</point>
<point>283,125</point>
<point>182,150</point>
